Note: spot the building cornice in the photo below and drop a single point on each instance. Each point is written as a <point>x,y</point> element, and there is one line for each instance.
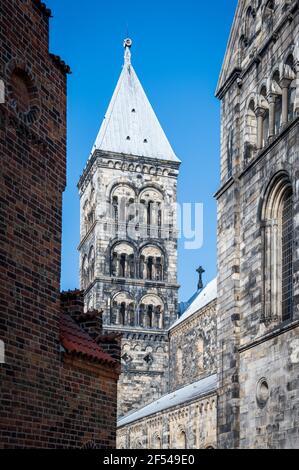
<point>120,282</point>
<point>281,330</point>
<point>224,188</point>
<point>99,157</point>
<point>129,332</point>
<point>235,74</point>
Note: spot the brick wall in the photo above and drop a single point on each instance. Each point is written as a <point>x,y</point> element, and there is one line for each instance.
<point>36,386</point>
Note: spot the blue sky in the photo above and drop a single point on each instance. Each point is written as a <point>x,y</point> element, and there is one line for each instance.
<point>177,53</point>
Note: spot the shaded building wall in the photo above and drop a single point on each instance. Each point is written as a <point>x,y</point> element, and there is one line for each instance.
<point>193,348</point>
<point>33,166</point>
<point>258,360</point>
<point>49,399</point>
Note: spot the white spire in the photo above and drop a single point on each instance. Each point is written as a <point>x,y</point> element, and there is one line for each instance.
<point>130,126</point>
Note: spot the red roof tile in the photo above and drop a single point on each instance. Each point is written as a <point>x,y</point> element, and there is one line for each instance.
<point>77,341</point>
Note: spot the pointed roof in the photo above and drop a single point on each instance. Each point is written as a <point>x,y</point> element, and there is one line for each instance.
<point>130,125</point>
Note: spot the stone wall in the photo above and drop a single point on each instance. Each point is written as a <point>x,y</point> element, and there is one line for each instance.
<point>255,343</point>
<point>50,397</point>
<point>144,375</point>
<point>190,426</point>
<point>193,348</point>
<point>111,287</point>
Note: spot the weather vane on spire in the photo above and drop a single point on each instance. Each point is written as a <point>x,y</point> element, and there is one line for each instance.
<point>127,45</point>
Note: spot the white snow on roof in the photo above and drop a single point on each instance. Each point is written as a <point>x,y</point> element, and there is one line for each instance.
<point>186,394</point>
<point>206,296</point>
<point>130,125</point>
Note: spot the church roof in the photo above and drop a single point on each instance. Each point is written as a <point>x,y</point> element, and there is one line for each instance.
<point>204,297</point>
<point>184,395</point>
<point>130,125</point>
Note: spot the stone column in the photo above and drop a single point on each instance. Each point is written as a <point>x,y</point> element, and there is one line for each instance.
<point>154,270</point>
<point>117,308</point>
<point>260,113</point>
<point>145,269</point>
<point>127,315</point>
<point>284,84</point>
<point>117,266</point>
<point>141,267</point>
<point>271,101</point>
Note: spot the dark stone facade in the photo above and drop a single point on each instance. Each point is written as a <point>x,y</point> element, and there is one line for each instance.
<point>258,346</point>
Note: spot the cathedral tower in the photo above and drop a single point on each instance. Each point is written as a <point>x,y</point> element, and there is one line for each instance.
<point>128,248</point>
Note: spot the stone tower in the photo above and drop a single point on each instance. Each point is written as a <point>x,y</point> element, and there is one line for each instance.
<point>258,227</point>
<point>128,248</point>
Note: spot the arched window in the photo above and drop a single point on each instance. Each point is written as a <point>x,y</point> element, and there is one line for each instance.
<point>287,254</point>
<point>151,312</point>
<point>181,440</point>
<point>278,239</point>
<point>122,259</point>
<point>122,309</point>
<point>151,263</point>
